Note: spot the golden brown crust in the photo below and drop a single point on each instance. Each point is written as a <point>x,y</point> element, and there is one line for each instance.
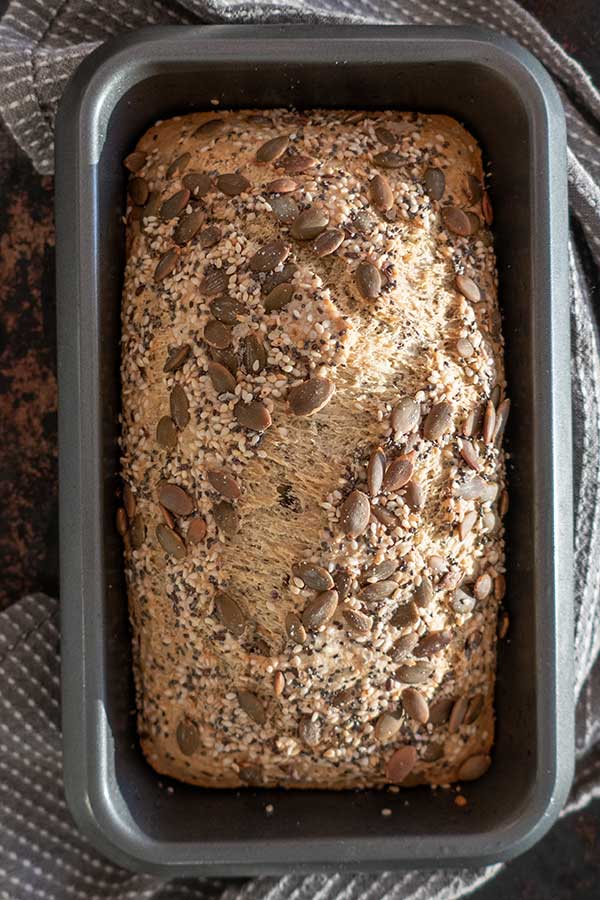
<point>228,693</point>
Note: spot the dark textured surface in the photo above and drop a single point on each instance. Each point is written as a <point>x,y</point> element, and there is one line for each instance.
<point>566,864</point>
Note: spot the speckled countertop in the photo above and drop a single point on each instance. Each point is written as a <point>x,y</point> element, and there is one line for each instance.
<point>566,864</point>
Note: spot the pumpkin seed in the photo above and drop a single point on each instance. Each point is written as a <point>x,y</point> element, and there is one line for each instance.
<point>230,614</point>
<point>468,288</point>
<point>474,709</point>
<point>196,531</point>
<point>467,523</point>
<point>296,164</point>
<point>472,425</point>
<point>397,474</point>
<point>380,571</point>
<point>232,184</point>
<point>170,541</point>
<point>355,514</point>
<point>386,727</point>
<point>405,615</point>
<point>385,136</point>
<point>414,674</point>
<point>226,358</point>
<point>382,196</point>
<point>457,715</point>
<point>273,149</point>
<point>433,643</point>
<point>176,358</point>
<point>269,256</point>
<point>253,354</point>
<point>175,499</point>
<point>328,242</point>
<point>138,190</point>
<point>469,454</point>
<point>128,501</point>
<point>424,593</point>
<point>197,183</point>
<point>310,223</point>
<point>456,220</point>
<point>121,522</point>
<point>415,705</point>
<point>279,297</point>
<point>499,587</point>
<point>294,628</point>
<point>403,646</point>
<point>438,421</point>
<point>210,236</point>
<point>180,407</point>
<point>226,518</point>
<point>253,415</point>
<point>137,532</point>
<point>439,712</point>
<point>357,621</point>
<point>166,265</point>
<point>314,577</point>
<point>375,471</point>
<point>285,208</point>
<point>388,160</point>
<point>252,706</point>
<point>474,221</point>
<point>187,736</point>
<point>483,586</point>
<point>188,226</point>
<point>413,495</point>
<point>486,208</point>
<point>224,483</point>
<point>474,188</point>
<point>489,423</point>
<point>474,767</point>
<point>378,590</point>
<point>278,683</point>
<point>227,309</point>
<point>501,419</point>
<point>406,416</point>
<point>363,221</point>
<point>209,129</point>
<point>432,752</point>
<point>216,334</point>
<point>135,161</point>
<point>401,763</point>
<point>275,278</point>
<point>384,516</point>
<point>309,731</point>
<point>368,280</point>
<point>214,283</point>
<point>310,396</point>
<point>320,610</point>
<point>166,433</point>
<point>174,205</point>
<point>342,581</point>
<point>221,378</point>
<point>179,165</point>
<point>282,185</point>
<point>435,183</point>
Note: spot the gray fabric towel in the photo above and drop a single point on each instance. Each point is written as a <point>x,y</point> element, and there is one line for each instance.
<point>41,853</point>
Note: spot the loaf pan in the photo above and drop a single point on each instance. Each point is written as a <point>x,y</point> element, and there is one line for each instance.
<point>508,102</point>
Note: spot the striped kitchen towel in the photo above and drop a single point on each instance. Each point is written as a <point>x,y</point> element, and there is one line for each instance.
<point>41,853</point>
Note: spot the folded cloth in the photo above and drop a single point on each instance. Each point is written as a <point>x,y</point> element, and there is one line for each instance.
<point>41,853</point>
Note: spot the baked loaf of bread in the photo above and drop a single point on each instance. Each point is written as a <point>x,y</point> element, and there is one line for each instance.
<point>313,409</point>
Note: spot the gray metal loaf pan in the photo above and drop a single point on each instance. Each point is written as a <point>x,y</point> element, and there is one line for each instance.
<point>509,103</point>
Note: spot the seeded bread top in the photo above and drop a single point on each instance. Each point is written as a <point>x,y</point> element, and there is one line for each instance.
<point>313,409</point>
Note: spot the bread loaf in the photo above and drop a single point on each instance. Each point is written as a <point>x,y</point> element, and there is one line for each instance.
<point>313,410</point>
